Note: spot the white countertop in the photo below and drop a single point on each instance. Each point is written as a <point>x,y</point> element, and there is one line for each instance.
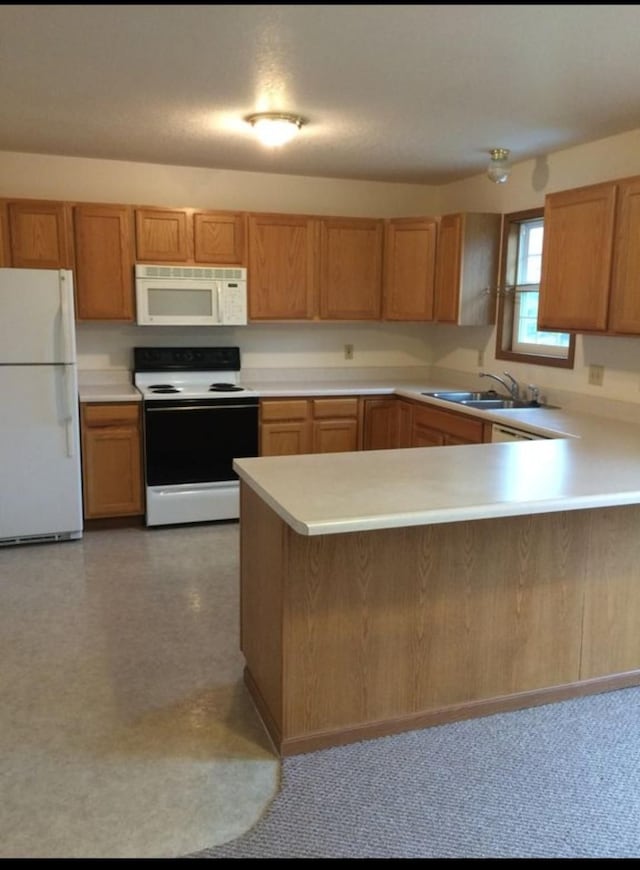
<point>587,462</point>
<point>109,393</point>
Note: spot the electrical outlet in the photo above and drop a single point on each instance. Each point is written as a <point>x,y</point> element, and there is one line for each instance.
<point>348,351</point>
<point>596,375</point>
<point>480,358</point>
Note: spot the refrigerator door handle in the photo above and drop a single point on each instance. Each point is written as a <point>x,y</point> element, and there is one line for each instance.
<point>68,411</point>
<point>66,310</point>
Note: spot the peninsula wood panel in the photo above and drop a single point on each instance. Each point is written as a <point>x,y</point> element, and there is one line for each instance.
<point>5,251</point>
<point>387,630</point>
<point>612,594</point>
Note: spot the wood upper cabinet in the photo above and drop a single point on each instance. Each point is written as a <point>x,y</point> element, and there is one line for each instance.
<point>5,252</point>
<point>187,236</point>
<point>112,482</point>
<point>380,423</point>
<point>466,273</point>
<point>282,264</point>
<point>103,237</point>
<point>409,268</point>
<point>624,311</point>
<point>163,235</point>
<point>39,234</point>
<point>350,268</point>
<point>219,237</point>
<point>591,259</point>
<point>577,256</point>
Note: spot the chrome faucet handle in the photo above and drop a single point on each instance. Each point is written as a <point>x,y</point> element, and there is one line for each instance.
<point>515,386</point>
<point>534,393</point>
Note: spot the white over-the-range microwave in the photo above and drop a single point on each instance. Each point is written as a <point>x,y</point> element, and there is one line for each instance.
<point>191,295</point>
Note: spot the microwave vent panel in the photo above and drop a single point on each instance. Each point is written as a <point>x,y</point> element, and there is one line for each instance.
<point>192,273</point>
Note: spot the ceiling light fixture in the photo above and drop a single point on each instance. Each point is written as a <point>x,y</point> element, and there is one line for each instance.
<point>499,168</point>
<point>275,128</point>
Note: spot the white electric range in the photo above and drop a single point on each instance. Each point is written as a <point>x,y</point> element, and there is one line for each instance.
<point>198,417</point>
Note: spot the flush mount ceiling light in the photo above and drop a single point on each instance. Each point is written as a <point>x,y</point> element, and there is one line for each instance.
<point>275,128</point>
<point>499,168</point>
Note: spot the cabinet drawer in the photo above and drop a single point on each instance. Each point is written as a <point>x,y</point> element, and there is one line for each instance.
<point>283,409</point>
<point>454,424</point>
<point>110,414</point>
<point>335,407</point>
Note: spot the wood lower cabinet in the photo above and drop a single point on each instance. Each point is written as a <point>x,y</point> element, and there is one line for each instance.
<point>39,234</point>
<point>434,427</point>
<point>380,423</point>
<point>285,427</point>
<point>308,425</point>
<point>103,237</point>
<point>112,479</point>
<point>334,424</point>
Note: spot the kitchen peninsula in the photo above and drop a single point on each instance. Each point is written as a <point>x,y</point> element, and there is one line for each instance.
<point>389,590</point>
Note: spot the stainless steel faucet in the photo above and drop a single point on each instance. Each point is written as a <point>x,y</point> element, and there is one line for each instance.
<point>513,388</point>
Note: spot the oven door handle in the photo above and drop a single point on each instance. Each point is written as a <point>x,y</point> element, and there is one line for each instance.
<point>201,408</point>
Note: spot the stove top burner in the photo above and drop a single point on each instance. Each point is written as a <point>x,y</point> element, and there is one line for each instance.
<point>224,388</point>
<point>163,388</point>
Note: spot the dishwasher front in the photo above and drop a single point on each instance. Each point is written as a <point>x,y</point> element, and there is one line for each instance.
<point>508,433</point>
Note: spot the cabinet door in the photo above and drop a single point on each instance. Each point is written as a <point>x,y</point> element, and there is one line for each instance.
<point>425,436</point>
<point>286,438</point>
<point>5,252</point>
<point>380,424</point>
<point>39,235</point>
<point>624,305</point>
<point>576,259</point>
<point>334,436</point>
<point>431,422</point>
<point>350,269</point>
<point>163,235</point>
<point>448,268</point>
<point>104,262</point>
<point>219,237</point>
<point>409,256</point>
<point>111,460</point>
<point>281,276</point>
<point>405,423</point>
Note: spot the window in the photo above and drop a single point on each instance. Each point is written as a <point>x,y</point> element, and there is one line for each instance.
<point>518,337</point>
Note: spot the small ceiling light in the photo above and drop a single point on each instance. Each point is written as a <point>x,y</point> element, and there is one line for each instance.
<point>499,168</point>
<point>275,128</point>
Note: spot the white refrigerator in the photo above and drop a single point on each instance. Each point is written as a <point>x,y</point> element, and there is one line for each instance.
<point>40,471</point>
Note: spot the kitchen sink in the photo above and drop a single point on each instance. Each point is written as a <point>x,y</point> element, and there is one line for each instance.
<point>489,400</point>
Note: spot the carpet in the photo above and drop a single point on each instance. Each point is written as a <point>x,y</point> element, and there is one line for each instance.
<point>556,781</point>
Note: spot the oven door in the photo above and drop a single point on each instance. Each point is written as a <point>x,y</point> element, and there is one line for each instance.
<point>190,446</point>
<point>196,441</point>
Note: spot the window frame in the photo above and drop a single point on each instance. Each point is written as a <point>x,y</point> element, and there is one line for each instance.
<point>506,301</point>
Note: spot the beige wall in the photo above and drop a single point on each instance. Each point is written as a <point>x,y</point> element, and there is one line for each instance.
<point>379,345</point>
<point>606,159</point>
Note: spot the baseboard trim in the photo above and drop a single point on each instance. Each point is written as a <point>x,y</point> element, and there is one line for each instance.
<point>286,746</point>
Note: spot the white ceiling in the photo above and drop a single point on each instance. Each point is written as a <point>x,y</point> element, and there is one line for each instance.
<point>400,93</point>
